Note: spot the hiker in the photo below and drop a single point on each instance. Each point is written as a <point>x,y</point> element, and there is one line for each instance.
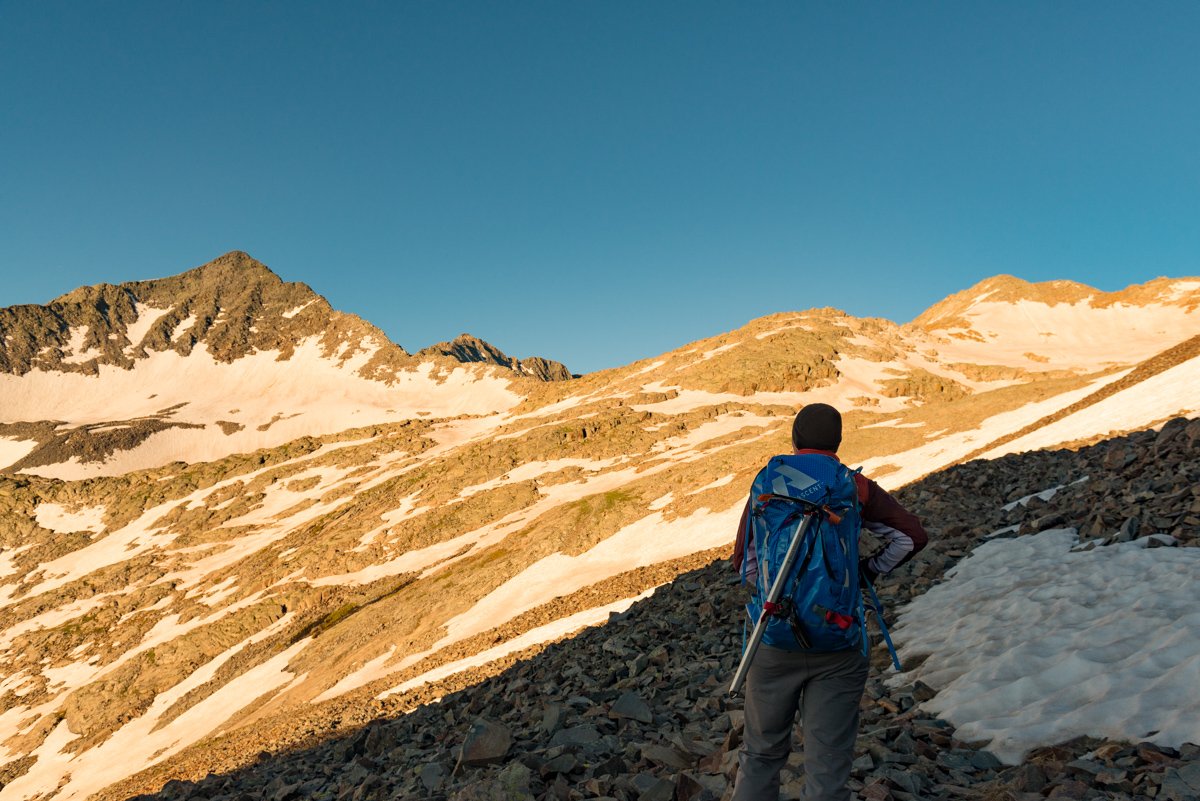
<point>825,687</point>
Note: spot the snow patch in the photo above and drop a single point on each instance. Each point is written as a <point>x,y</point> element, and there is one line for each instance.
<point>720,482</point>
<point>293,312</point>
<point>940,452</point>
<point>1045,495</point>
<point>1164,395</point>
<point>74,352</point>
<point>1031,643</point>
<point>136,746</point>
<point>708,354</point>
<point>661,503</point>
<point>147,316</point>
<point>651,540</point>
<point>14,450</point>
<point>895,422</point>
<point>61,520</point>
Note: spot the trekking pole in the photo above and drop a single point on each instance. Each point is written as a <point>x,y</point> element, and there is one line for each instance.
<point>877,607</point>
<point>772,601</point>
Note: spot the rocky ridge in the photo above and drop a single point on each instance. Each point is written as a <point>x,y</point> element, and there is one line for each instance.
<point>188,361</point>
<point>467,348</point>
<point>232,306</point>
<point>949,313</point>
<point>637,708</point>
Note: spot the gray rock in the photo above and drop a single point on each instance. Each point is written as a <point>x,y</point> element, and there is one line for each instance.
<point>792,790</point>
<point>379,740</point>
<point>354,775</point>
<point>668,756</point>
<point>908,781</point>
<point>985,760</point>
<point>350,747</point>
<point>1175,788</point>
<point>901,759</point>
<point>689,788</point>
<point>552,718</point>
<point>1083,767</point>
<point>1027,778</point>
<point>631,705</point>
<point>904,743</point>
<point>369,788</point>
<point>642,782</point>
<point>1190,773</point>
<point>563,763</point>
<point>282,791</point>
<point>923,692</point>
<point>486,743</point>
<point>432,776</point>
<point>576,735</point>
<point>511,784</point>
<point>1128,530</point>
<point>310,787</point>
<point>661,790</point>
<point>717,785</point>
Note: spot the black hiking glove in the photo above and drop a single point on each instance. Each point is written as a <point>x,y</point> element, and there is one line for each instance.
<point>865,572</point>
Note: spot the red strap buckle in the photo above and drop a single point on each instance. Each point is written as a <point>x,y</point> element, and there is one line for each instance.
<point>841,621</point>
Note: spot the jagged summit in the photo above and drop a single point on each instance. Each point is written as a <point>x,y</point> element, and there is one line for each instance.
<point>233,306</point>
<point>467,348</point>
<point>227,275</point>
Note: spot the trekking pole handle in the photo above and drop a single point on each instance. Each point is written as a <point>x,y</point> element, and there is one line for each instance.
<point>824,511</point>
<point>760,628</point>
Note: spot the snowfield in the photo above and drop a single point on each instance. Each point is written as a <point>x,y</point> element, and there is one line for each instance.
<point>1031,643</point>
<point>273,401</point>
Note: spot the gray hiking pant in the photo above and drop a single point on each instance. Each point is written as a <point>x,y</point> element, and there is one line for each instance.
<point>826,689</point>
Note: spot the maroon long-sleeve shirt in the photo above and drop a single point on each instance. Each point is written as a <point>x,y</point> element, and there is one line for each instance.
<point>881,514</point>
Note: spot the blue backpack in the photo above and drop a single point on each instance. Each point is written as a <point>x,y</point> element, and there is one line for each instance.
<point>821,609</point>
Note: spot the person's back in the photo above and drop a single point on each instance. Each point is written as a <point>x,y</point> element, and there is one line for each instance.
<point>789,676</point>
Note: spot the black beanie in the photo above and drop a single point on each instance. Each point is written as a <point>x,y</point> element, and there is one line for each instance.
<point>818,426</point>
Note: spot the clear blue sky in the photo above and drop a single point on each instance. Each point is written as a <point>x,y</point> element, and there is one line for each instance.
<point>597,182</point>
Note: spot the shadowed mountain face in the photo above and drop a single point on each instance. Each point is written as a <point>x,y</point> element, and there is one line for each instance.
<point>296,516</point>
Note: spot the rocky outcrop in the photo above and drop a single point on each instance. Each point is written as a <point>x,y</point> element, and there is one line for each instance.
<point>232,306</point>
<point>467,348</point>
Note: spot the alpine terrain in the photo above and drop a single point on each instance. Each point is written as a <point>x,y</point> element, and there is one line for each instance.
<point>251,550</point>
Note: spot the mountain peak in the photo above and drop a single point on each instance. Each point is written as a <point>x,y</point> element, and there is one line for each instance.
<point>468,348</point>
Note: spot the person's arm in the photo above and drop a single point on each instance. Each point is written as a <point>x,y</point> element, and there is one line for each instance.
<point>741,551</point>
<point>884,516</point>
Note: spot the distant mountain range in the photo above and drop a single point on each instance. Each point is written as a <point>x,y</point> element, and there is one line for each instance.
<point>224,504</point>
<point>221,359</point>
